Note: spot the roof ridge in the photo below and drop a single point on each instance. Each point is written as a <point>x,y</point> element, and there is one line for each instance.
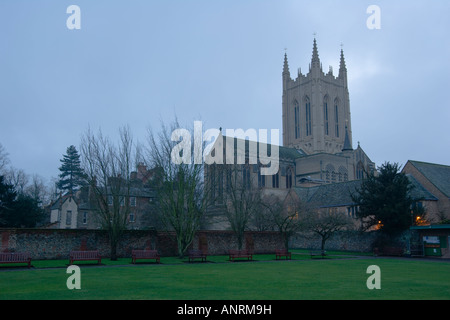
<point>429,163</point>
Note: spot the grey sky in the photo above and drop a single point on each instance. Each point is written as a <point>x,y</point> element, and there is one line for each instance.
<point>136,62</point>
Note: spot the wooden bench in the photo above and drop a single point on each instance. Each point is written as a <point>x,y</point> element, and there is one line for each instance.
<point>197,254</point>
<point>233,254</point>
<point>282,253</point>
<point>315,253</point>
<point>392,251</point>
<point>15,257</point>
<point>85,256</point>
<point>388,251</point>
<point>144,254</point>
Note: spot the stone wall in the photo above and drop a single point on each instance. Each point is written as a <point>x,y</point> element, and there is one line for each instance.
<point>57,243</point>
<point>345,241</point>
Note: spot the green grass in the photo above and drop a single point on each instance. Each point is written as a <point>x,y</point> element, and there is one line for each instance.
<point>302,278</point>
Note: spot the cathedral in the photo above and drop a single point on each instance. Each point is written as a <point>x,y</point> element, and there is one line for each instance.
<point>317,122</point>
<point>317,150</point>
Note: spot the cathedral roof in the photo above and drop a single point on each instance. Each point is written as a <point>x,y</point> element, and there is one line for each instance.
<point>339,194</point>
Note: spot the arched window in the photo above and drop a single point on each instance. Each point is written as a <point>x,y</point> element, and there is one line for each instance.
<point>359,171</point>
<point>276,180</point>
<point>246,176</point>
<point>325,114</point>
<point>289,178</point>
<point>336,117</point>
<point>342,174</point>
<point>261,178</point>
<point>297,119</point>
<point>308,116</point>
<point>330,173</point>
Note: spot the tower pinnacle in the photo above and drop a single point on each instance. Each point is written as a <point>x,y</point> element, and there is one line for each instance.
<point>315,61</point>
<point>285,65</point>
<point>342,67</point>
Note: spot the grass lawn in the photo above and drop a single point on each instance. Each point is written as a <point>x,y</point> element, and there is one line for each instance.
<point>302,278</point>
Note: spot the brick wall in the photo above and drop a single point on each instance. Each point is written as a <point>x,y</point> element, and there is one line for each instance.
<point>57,243</point>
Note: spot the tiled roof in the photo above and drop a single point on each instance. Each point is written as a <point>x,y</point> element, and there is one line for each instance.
<point>339,194</point>
<point>437,174</point>
<point>330,195</point>
<point>285,153</point>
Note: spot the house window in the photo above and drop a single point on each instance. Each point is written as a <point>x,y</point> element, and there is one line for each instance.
<point>85,216</point>
<point>133,201</point>
<point>132,217</point>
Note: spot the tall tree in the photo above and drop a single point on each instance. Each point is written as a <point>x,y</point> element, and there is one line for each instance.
<point>241,198</point>
<point>384,200</point>
<point>71,176</point>
<point>182,196</point>
<point>108,169</point>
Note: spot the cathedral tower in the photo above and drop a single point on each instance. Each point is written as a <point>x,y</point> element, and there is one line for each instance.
<point>316,108</point>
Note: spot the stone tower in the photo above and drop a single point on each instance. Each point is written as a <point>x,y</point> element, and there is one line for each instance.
<point>316,108</point>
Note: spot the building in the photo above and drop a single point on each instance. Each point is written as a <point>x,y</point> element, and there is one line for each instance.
<point>436,179</point>
<point>77,211</point>
<point>317,138</point>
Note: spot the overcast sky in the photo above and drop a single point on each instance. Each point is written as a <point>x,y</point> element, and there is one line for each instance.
<point>220,61</point>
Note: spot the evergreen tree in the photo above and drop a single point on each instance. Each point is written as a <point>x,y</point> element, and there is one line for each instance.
<point>17,210</point>
<point>384,200</point>
<point>71,176</point>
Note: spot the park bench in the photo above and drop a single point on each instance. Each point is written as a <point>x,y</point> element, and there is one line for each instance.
<point>392,251</point>
<point>233,254</point>
<point>85,256</point>
<point>282,253</point>
<point>144,254</point>
<point>197,254</point>
<point>315,253</point>
<point>15,257</point>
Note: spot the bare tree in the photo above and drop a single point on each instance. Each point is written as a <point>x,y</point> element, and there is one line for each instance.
<point>284,214</point>
<point>4,160</point>
<point>241,198</point>
<point>325,223</point>
<point>108,167</point>
<point>181,193</point>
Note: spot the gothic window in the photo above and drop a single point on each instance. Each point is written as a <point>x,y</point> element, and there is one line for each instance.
<point>330,174</point>
<point>288,178</point>
<point>276,180</point>
<point>246,176</point>
<point>212,180</point>
<point>360,171</point>
<point>342,174</point>
<point>336,117</point>
<point>220,185</point>
<point>325,114</point>
<point>297,119</point>
<point>261,179</point>
<point>308,116</point>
